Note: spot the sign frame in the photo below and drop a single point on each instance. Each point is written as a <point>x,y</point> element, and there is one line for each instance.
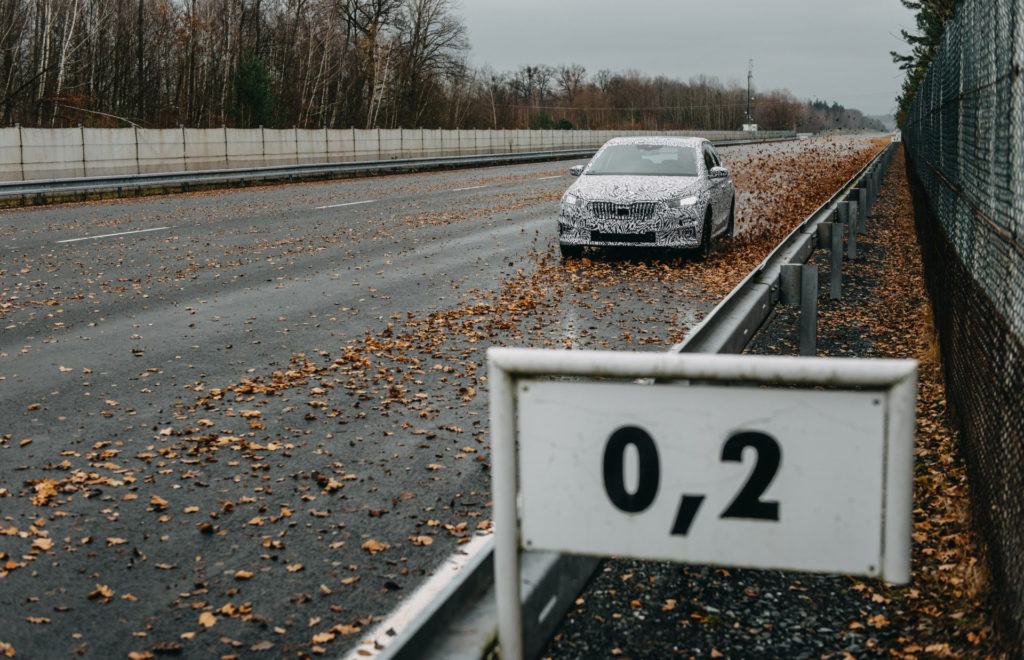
<point>896,380</point>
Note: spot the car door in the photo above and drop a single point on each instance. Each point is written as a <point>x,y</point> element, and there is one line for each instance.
<point>719,192</point>
<point>726,189</point>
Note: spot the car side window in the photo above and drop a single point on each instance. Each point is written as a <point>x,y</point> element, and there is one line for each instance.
<point>714,156</point>
<point>709,160</point>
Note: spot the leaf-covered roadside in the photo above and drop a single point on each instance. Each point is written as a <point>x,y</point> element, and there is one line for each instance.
<point>649,609</point>
<point>946,610</point>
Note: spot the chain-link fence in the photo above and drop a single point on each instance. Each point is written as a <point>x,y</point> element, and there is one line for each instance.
<point>964,137</point>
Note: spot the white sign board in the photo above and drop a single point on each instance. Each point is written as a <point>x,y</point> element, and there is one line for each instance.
<point>708,474</point>
<point>770,462</point>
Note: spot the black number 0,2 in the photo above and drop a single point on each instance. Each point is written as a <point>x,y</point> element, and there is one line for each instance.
<point>746,504</point>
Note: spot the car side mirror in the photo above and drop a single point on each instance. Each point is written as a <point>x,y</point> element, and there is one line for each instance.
<point>718,172</point>
<point>576,170</point>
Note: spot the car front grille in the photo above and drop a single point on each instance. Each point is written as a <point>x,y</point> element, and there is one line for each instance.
<point>614,211</point>
<point>608,237</point>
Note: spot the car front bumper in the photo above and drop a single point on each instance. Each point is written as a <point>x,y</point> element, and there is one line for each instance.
<point>680,229</point>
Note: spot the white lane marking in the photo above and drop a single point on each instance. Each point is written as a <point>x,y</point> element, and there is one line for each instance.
<point>468,188</point>
<point>334,206</point>
<point>123,233</point>
<point>542,178</point>
<point>378,639</point>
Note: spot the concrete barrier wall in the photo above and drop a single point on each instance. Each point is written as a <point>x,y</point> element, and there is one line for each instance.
<point>115,149</point>
<point>10,154</point>
<point>52,153</point>
<point>205,148</point>
<point>157,150</point>
<point>42,153</point>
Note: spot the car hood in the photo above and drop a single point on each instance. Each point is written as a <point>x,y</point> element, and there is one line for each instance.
<point>632,188</point>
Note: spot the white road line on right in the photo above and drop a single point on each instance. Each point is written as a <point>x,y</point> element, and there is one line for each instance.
<point>334,206</point>
<point>121,233</point>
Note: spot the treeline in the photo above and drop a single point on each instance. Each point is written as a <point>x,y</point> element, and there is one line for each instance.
<point>330,63</point>
<point>931,17</point>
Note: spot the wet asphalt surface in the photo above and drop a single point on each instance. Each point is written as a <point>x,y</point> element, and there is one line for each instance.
<point>237,422</point>
<point>253,421</point>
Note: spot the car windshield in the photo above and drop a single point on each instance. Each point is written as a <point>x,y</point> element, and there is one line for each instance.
<point>645,160</point>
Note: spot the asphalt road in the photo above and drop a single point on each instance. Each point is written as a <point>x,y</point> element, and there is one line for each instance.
<point>254,420</point>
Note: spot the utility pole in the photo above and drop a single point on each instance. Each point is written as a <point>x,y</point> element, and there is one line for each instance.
<point>750,80</point>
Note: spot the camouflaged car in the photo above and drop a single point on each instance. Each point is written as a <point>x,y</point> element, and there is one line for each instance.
<point>668,192</point>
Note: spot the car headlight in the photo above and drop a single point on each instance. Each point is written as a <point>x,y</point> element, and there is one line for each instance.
<point>680,203</point>
<point>572,200</point>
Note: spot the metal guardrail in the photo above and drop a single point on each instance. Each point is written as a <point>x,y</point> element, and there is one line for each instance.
<point>463,625</point>
<point>41,191</point>
<point>40,188</point>
<point>732,323</point>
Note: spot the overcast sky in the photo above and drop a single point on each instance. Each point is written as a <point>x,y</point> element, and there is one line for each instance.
<point>835,50</point>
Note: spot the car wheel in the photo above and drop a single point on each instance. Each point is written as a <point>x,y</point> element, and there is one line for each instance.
<point>571,251</point>
<point>705,239</point>
<point>730,229</point>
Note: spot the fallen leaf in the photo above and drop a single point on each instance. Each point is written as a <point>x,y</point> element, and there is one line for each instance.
<point>101,591</point>
<point>345,629</point>
<point>373,546</point>
<point>243,575</point>
<point>207,619</point>
<point>42,544</point>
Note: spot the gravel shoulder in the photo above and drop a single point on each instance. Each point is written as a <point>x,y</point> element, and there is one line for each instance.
<point>637,609</point>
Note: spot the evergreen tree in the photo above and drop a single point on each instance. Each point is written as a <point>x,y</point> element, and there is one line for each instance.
<point>931,19</point>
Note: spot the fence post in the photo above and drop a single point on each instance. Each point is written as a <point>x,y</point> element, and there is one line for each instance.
<point>138,164</point>
<point>81,133</point>
<point>184,147</point>
<point>21,153</point>
<point>808,309</point>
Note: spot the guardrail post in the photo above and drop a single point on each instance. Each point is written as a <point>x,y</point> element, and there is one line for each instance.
<point>808,309</point>
<point>851,225</point>
<point>831,234</point>
<point>789,274</point>
<point>863,207</point>
<point>836,261</point>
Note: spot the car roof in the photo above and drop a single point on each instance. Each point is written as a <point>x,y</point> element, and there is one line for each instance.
<point>669,140</point>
